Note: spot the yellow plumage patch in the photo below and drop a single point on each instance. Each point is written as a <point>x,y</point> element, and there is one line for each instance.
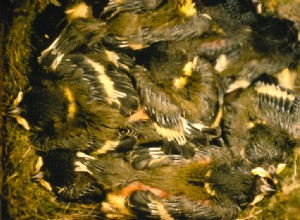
<point>180,82</point>
<point>79,11</point>
<point>72,105</point>
<point>188,68</point>
<point>209,190</point>
<point>287,78</point>
<point>187,7</point>
<point>108,146</point>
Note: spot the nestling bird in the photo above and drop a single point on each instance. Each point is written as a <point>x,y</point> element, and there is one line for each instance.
<point>83,95</point>
<point>79,58</point>
<point>250,134</point>
<point>170,21</point>
<point>207,191</point>
<point>82,33</point>
<point>176,110</point>
<point>61,117</point>
<point>193,190</point>
<point>73,176</point>
<point>245,44</point>
<point>138,201</point>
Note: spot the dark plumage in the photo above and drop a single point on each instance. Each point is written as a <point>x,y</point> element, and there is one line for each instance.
<point>148,204</point>
<point>82,97</point>
<point>69,40</point>
<point>61,118</point>
<point>79,58</point>
<point>171,21</point>
<point>250,135</point>
<point>207,191</point>
<point>73,176</point>
<point>182,95</point>
<point>182,131</point>
<point>115,7</point>
<point>101,77</point>
<point>246,45</point>
<point>83,33</point>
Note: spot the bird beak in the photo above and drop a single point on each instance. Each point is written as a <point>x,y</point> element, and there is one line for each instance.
<point>38,176</point>
<point>267,189</point>
<point>15,113</point>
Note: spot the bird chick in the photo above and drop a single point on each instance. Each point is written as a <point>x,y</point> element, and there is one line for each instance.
<point>61,118</point>
<point>194,190</point>
<point>82,33</point>
<point>72,176</point>
<point>266,148</point>
<point>143,202</point>
<point>174,117</point>
<point>171,21</point>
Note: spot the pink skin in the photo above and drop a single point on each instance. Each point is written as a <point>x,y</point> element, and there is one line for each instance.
<point>139,186</point>
<point>138,115</point>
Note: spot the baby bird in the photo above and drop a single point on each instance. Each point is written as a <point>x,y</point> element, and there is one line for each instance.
<point>266,148</point>
<point>61,118</point>
<point>82,98</point>
<point>82,33</point>
<point>176,111</point>
<point>79,58</point>
<point>194,190</point>
<point>169,21</point>
<point>140,201</point>
<point>73,176</point>
<point>263,57</point>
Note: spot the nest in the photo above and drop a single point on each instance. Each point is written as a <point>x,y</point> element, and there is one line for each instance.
<point>22,38</point>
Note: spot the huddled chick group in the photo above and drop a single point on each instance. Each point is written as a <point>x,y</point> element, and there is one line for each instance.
<point>164,109</point>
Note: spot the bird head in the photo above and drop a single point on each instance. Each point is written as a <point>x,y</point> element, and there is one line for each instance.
<point>268,181</point>
<point>73,176</point>
<point>42,109</point>
<point>18,112</point>
<point>40,176</point>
